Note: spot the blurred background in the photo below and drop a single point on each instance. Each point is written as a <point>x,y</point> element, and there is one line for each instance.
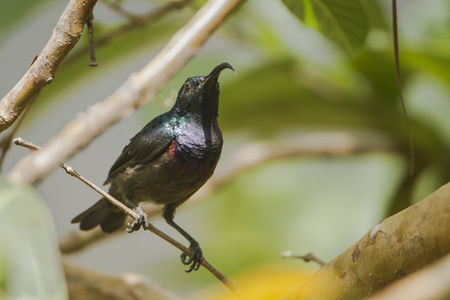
<point>316,144</point>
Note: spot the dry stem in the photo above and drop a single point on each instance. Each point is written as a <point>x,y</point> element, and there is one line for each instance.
<point>69,170</point>
<point>245,158</point>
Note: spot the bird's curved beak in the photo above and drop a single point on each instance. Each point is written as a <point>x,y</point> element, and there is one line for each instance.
<point>213,77</point>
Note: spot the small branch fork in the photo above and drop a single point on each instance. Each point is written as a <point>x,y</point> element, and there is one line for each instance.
<point>306,258</point>
<point>134,21</point>
<point>90,26</point>
<point>69,170</point>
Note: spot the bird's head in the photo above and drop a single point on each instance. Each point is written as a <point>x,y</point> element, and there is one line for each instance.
<point>200,95</point>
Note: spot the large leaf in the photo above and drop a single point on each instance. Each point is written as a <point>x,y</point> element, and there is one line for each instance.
<point>30,265</point>
<point>344,22</point>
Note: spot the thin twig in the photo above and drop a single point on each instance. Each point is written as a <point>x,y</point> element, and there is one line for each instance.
<point>90,26</point>
<point>135,21</point>
<point>400,87</point>
<point>306,258</point>
<point>69,170</point>
<point>247,157</point>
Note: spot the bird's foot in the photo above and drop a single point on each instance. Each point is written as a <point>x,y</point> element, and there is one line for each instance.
<point>141,220</point>
<point>195,258</point>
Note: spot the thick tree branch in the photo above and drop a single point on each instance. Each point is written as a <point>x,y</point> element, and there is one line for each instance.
<point>89,284</point>
<point>65,35</point>
<point>135,92</point>
<point>395,247</point>
<point>8,136</point>
<point>433,282</point>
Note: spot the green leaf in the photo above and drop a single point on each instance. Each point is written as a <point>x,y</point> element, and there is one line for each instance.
<point>430,60</point>
<point>30,263</point>
<point>296,7</point>
<point>344,22</point>
<point>303,11</point>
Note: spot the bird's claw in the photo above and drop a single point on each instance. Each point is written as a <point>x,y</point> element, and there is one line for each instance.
<point>141,220</point>
<point>195,258</point>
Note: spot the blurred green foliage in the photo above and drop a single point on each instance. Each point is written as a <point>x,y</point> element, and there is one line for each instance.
<point>30,263</point>
<point>302,66</point>
<point>344,22</point>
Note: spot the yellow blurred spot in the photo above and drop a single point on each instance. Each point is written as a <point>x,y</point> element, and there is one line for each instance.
<point>262,282</point>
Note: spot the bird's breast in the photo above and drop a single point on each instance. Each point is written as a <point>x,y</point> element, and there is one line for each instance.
<point>193,158</point>
<point>172,177</point>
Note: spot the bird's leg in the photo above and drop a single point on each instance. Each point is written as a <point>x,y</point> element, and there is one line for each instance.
<point>141,220</point>
<point>196,256</point>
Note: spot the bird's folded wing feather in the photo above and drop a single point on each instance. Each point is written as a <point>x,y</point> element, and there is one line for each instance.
<point>145,146</point>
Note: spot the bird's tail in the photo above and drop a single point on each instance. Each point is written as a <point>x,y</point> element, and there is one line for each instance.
<point>102,213</point>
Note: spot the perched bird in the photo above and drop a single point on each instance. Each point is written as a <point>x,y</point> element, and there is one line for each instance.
<point>166,162</point>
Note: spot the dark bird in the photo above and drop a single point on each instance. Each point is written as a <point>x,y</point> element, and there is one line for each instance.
<point>166,162</point>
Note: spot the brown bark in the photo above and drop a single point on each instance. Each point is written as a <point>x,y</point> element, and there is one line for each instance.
<point>65,35</point>
<point>136,91</point>
<point>395,247</point>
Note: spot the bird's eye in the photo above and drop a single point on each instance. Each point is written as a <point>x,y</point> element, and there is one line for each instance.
<point>187,87</point>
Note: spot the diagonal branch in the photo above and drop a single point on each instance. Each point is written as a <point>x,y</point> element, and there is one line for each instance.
<point>84,283</point>
<point>135,92</point>
<point>65,35</point>
<point>69,170</point>
<point>433,282</point>
<point>245,158</point>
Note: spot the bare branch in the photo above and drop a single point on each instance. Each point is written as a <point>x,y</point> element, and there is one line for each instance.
<point>89,284</point>
<point>245,158</point>
<point>66,34</point>
<point>135,21</point>
<point>433,282</point>
<point>69,170</point>
<point>140,20</point>
<point>395,247</point>
<point>90,25</point>
<point>135,92</point>
<point>306,258</point>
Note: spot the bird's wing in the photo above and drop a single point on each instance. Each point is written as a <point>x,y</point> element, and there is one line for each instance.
<point>145,146</point>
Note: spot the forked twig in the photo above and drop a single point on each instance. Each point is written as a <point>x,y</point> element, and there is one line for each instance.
<point>90,26</point>
<point>306,258</point>
<point>69,170</point>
